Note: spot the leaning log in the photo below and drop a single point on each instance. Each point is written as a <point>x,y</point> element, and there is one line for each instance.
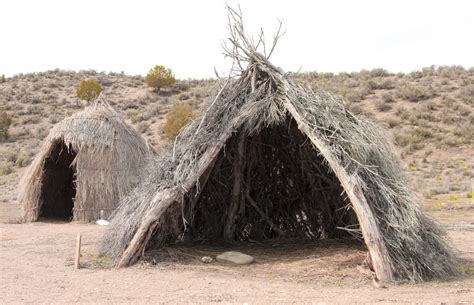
<point>370,230</point>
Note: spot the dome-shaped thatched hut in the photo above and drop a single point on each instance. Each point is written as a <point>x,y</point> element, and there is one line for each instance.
<point>86,164</point>
<point>272,158</point>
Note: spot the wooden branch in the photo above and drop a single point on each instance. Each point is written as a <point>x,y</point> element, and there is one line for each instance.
<point>273,226</point>
<point>275,39</point>
<point>164,199</point>
<point>229,228</point>
<point>370,230</point>
<point>77,256</point>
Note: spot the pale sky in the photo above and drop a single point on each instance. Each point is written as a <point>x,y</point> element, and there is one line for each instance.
<point>186,35</point>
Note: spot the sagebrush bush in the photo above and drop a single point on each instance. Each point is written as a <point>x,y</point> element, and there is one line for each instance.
<point>11,155</point>
<point>392,122</point>
<point>382,106</point>
<point>467,94</point>
<point>5,122</point>
<point>6,169</point>
<point>415,93</point>
<point>159,77</point>
<point>88,90</point>
<point>178,116</point>
<point>379,72</point>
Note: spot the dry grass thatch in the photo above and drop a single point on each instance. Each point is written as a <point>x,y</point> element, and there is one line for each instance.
<point>270,158</point>
<point>86,164</point>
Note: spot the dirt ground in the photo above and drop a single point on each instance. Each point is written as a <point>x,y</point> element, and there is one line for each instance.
<point>36,266</point>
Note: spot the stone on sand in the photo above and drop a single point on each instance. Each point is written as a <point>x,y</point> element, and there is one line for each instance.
<point>234,258</point>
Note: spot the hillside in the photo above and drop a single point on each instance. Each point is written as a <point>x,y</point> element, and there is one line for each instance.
<point>429,113</point>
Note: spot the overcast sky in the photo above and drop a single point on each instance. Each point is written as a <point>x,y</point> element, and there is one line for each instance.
<point>186,35</point>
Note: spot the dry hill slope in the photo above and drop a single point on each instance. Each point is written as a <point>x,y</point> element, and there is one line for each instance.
<point>428,112</point>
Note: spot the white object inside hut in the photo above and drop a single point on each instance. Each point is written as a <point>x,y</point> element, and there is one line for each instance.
<point>102,221</point>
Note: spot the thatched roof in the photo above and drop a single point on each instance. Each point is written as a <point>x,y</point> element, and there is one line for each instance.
<point>271,158</point>
<point>105,157</point>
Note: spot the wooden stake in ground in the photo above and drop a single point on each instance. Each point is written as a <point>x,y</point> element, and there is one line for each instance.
<point>77,258</point>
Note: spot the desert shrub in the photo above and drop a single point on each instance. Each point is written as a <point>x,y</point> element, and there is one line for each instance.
<point>379,72</point>
<point>6,169</point>
<point>159,77</point>
<point>183,97</point>
<point>416,74</point>
<point>392,122</point>
<point>431,105</point>
<point>413,140</point>
<point>415,93</point>
<point>88,90</point>
<point>382,106</point>
<point>354,96</point>
<point>423,132</point>
<point>5,122</point>
<point>467,94</point>
<point>388,98</point>
<point>462,109</point>
<point>403,113</point>
<point>41,133</point>
<point>381,84</point>
<point>34,109</point>
<point>2,79</point>
<point>11,155</point>
<point>178,116</point>
<point>355,109</point>
<point>143,126</point>
<point>22,161</point>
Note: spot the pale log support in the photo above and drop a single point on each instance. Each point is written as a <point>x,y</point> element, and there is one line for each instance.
<point>370,230</point>
<point>238,169</point>
<point>164,200</point>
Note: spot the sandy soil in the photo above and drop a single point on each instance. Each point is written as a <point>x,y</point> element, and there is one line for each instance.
<point>36,265</point>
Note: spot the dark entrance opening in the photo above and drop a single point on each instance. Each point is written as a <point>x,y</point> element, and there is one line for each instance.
<point>286,191</point>
<point>58,189</point>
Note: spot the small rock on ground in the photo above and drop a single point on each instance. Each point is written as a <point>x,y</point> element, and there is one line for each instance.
<point>235,258</point>
<point>207,259</point>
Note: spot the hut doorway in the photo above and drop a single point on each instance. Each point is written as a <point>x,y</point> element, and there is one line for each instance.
<point>273,184</point>
<point>58,189</point>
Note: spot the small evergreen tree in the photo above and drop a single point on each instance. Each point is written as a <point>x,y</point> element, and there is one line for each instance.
<point>159,77</point>
<point>88,90</point>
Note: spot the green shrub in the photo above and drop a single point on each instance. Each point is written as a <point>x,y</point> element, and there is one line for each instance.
<point>159,77</point>
<point>88,90</point>
<point>2,79</point>
<point>5,122</point>
<point>415,93</point>
<point>178,116</point>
